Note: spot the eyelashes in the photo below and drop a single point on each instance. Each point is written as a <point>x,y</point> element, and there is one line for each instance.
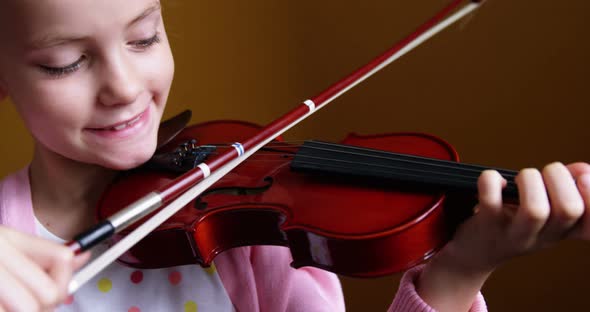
<point>146,43</point>
<point>56,72</point>
<point>60,71</point>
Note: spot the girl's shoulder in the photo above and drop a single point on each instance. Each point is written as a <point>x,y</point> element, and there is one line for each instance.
<point>16,209</point>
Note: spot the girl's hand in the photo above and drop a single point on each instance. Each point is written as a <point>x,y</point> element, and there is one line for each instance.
<point>581,173</point>
<point>553,204</point>
<point>552,207</point>
<point>34,273</point>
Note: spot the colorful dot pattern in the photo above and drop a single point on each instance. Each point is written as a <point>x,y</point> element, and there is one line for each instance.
<point>136,277</point>
<point>188,288</point>
<point>104,285</point>
<point>173,279</point>
<point>190,306</point>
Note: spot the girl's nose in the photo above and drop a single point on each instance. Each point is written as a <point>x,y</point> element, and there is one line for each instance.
<point>120,84</point>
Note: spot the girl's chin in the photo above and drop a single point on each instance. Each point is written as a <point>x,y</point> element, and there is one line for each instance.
<point>125,161</point>
<point>120,166</point>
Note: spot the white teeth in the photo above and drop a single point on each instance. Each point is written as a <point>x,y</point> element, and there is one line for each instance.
<point>120,127</point>
<point>134,120</point>
<point>125,125</point>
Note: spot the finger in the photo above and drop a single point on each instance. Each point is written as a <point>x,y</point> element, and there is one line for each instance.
<point>13,295</point>
<point>489,186</point>
<point>45,267</point>
<point>566,202</point>
<point>582,228</point>
<point>29,274</point>
<point>579,168</point>
<point>62,275</point>
<point>45,252</point>
<point>534,209</point>
<point>81,259</point>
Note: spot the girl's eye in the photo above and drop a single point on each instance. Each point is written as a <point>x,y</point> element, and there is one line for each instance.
<point>61,71</point>
<point>57,72</point>
<point>146,43</point>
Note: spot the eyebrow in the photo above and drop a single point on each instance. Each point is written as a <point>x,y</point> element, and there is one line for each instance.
<point>153,8</point>
<point>50,41</point>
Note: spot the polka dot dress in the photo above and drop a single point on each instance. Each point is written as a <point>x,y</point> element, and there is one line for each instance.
<point>188,288</point>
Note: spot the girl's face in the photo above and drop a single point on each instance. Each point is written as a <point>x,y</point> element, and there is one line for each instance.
<point>90,78</point>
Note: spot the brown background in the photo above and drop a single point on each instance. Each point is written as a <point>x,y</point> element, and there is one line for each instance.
<point>507,87</point>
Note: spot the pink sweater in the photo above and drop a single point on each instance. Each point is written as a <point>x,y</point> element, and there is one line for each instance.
<point>256,278</point>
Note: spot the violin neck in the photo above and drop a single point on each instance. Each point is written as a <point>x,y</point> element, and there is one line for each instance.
<point>403,169</point>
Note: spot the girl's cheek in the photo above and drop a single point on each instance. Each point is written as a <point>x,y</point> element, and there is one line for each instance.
<point>161,78</point>
<point>63,101</point>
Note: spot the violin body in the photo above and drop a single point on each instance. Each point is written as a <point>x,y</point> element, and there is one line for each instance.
<point>347,224</point>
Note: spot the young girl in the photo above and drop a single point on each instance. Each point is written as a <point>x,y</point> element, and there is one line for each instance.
<point>90,79</point>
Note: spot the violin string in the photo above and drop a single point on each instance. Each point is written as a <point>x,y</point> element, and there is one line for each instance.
<point>387,155</point>
<point>445,182</point>
<point>428,159</point>
<point>423,165</point>
<point>402,167</point>
<point>413,159</point>
<point>418,168</point>
<point>393,170</point>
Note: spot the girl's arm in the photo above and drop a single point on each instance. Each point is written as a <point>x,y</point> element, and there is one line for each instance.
<point>407,298</point>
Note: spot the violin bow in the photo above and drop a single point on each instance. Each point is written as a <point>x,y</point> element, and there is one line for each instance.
<point>188,186</point>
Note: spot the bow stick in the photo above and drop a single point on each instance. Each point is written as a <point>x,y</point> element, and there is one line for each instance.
<point>182,190</point>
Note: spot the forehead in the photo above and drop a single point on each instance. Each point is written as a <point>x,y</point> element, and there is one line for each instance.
<point>34,18</point>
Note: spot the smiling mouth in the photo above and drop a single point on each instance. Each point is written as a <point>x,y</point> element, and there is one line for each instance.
<point>126,124</point>
<point>122,125</point>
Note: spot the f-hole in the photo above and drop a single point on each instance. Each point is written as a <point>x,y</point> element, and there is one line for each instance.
<point>200,204</point>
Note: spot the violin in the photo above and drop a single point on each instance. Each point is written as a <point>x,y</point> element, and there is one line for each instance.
<point>369,206</point>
